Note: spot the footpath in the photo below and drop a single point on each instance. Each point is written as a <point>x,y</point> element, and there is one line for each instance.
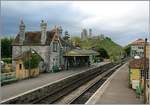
<point>116,90</point>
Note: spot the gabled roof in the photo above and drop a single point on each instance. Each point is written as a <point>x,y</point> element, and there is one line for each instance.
<point>26,55</point>
<point>80,52</point>
<point>65,43</point>
<point>138,63</point>
<point>32,38</point>
<point>138,42</point>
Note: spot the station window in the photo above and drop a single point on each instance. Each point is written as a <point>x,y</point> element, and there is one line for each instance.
<point>55,45</point>
<point>20,66</point>
<point>147,74</point>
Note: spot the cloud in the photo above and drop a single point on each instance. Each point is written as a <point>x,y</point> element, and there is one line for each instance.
<point>123,21</point>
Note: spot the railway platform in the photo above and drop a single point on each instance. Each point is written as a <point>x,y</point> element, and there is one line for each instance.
<point>14,89</point>
<point>115,90</point>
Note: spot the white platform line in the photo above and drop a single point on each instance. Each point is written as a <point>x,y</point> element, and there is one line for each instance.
<point>93,99</point>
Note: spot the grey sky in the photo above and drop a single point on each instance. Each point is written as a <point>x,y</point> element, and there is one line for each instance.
<point>123,21</point>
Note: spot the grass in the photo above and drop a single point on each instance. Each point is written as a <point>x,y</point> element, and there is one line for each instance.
<point>111,47</point>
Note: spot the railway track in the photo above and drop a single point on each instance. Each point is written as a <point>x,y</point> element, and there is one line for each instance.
<point>83,98</point>
<point>80,90</point>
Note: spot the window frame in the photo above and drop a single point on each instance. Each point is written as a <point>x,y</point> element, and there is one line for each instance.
<point>20,66</point>
<point>55,46</point>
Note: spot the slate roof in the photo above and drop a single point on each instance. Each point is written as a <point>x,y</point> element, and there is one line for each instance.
<point>32,38</point>
<point>138,42</point>
<point>26,55</point>
<point>80,52</point>
<point>138,63</point>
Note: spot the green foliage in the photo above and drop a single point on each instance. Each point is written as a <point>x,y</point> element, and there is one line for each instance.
<point>33,62</point>
<point>55,68</point>
<point>103,53</point>
<point>127,50</point>
<point>98,59</point>
<point>111,47</point>
<point>6,48</point>
<point>76,39</point>
<point>7,60</point>
<point>3,70</point>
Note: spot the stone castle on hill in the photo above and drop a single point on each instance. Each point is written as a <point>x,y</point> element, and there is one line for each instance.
<point>88,34</point>
<point>85,34</point>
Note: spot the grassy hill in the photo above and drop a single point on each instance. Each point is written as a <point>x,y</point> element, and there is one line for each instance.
<point>111,47</point>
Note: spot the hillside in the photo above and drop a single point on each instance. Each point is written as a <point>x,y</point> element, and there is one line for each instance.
<point>111,47</point>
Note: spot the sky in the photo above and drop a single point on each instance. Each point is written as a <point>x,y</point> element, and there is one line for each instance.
<point>123,21</point>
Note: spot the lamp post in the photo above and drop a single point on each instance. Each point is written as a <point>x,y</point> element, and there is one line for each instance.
<point>29,63</point>
<point>145,69</point>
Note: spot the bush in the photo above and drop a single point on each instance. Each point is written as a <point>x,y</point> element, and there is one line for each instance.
<point>127,50</point>
<point>6,70</point>
<point>6,48</point>
<point>33,62</point>
<point>103,53</point>
<point>98,59</point>
<point>7,60</point>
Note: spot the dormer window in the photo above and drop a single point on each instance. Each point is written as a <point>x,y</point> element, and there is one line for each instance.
<point>55,45</point>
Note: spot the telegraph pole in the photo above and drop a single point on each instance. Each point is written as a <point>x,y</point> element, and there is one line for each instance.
<point>145,70</point>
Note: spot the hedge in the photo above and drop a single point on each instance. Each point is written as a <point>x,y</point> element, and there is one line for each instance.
<point>33,62</point>
<point>7,60</point>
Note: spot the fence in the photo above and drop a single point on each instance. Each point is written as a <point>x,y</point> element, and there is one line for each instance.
<point>8,77</point>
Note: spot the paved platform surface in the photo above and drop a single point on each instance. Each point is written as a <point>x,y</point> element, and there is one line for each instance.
<point>118,91</point>
<point>21,86</point>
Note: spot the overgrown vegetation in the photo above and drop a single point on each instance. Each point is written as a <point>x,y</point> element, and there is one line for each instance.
<point>127,50</point>
<point>7,60</point>
<point>105,46</point>
<point>76,40</point>
<point>33,62</point>
<point>6,47</point>
<point>103,53</point>
<point>3,70</point>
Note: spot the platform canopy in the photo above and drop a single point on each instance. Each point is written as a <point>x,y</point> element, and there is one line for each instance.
<point>81,52</point>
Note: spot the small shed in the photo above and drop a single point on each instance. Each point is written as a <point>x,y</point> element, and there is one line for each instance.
<point>136,72</point>
<point>23,72</point>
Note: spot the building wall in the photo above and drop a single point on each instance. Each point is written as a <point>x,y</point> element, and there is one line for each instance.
<point>137,50</point>
<point>135,74</point>
<point>147,51</point>
<point>43,51</point>
<point>135,78</point>
<point>50,57</point>
<point>24,73</point>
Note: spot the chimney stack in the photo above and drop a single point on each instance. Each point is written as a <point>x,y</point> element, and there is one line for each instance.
<point>43,26</point>
<point>21,31</point>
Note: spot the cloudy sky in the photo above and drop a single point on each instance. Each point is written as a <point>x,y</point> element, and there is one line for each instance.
<point>123,21</point>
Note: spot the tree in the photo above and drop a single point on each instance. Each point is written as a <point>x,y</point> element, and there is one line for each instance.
<point>6,47</point>
<point>67,36</point>
<point>103,53</point>
<point>33,62</point>
<point>127,50</point>
<point>108,38</point>
<point>76,40</point>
